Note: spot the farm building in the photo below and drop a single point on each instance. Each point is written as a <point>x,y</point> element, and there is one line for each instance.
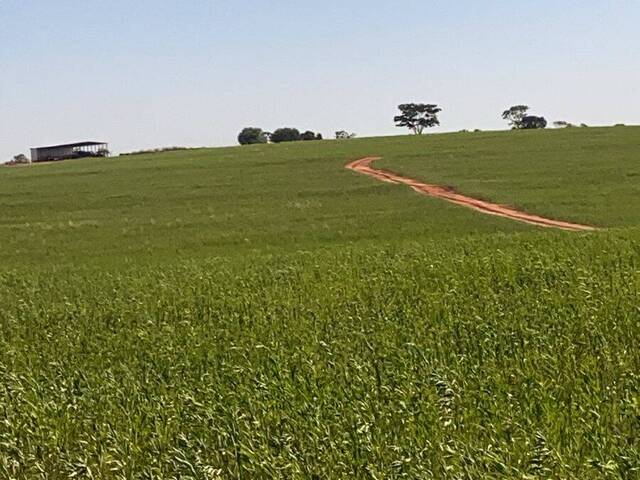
<point>70,150</point>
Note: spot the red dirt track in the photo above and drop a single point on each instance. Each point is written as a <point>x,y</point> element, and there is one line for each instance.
<point>364,166</point>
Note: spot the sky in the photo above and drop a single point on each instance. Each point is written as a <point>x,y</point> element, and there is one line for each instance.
<point>145,74</point>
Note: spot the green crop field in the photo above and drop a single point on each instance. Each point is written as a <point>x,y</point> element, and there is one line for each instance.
<point>262,312</point>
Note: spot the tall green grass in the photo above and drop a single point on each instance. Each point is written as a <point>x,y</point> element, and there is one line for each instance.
<point>262,312</point>
<point>496,357</point>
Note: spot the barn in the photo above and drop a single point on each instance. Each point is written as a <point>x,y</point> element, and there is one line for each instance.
<point>69,151</point>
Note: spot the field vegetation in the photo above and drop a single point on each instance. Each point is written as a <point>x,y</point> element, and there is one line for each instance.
<point>297,196</point>
<point>261,312</point>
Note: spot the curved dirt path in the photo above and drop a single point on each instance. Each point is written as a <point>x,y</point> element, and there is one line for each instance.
<point>364,166</point>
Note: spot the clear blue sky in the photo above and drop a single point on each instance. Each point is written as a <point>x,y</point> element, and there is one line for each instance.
<point>148,73</point>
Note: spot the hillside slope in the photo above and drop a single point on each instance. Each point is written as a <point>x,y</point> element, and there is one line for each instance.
<point>266,313</point>
<point>290,197</point>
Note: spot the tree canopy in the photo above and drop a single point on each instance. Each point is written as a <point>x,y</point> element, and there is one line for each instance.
<point>417,116</point>
<point>515,115</point>
<point>19,159</point>
<point>344,135</point>
<point>286,135</point>
<point>532,122</point>
<point>252,135</point>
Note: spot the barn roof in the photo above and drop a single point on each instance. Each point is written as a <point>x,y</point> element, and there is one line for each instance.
<point>72,145</point>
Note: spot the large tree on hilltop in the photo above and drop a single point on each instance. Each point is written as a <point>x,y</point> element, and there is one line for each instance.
<point>515,115</point>
<point>417,116</point>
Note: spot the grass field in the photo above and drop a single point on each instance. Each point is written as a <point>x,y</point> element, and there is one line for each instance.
<point>586,175</point>
<point>275,198</point>
<point>264,313</point>
<point>289,197</point>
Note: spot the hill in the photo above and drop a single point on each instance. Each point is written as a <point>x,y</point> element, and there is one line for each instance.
<point>263,312</point>
<point>289,197</point>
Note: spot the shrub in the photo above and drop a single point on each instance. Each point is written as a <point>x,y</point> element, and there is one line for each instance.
<point>21,158</point>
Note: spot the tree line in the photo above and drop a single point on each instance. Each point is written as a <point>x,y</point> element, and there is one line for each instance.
<point>417,117</point>
<point>254,135</point>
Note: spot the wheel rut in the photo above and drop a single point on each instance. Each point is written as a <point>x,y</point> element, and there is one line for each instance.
<point>364,167</point>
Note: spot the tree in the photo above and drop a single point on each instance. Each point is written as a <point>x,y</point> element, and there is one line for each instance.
<point>318,136</point>
<point>344,135</point>
<point>308,135</point>
<point>252,135</point>
<point>532,122</point>
<point>417,116</point>
<point>515,115</point>
<point>285,135</point>
<point>21,158</point>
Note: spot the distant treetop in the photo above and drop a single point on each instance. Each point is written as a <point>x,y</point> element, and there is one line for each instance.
<point>252,135</point>
<point>417,116</point>
<point>515,115</point>
<point>519,120</point>
<point>344,135</point>
<point>531,122</point>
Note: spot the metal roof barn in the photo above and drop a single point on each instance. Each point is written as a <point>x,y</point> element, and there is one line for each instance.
<point>69,151</point>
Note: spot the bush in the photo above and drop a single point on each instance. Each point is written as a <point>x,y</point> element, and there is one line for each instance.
<point>286,135</point>
<point>19,159</point>
<point>252,135</point>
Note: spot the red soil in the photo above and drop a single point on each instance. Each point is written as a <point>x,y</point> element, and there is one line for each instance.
<point>364,166</point>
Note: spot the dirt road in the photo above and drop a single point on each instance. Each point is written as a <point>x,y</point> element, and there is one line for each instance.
<point>364,166</point>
